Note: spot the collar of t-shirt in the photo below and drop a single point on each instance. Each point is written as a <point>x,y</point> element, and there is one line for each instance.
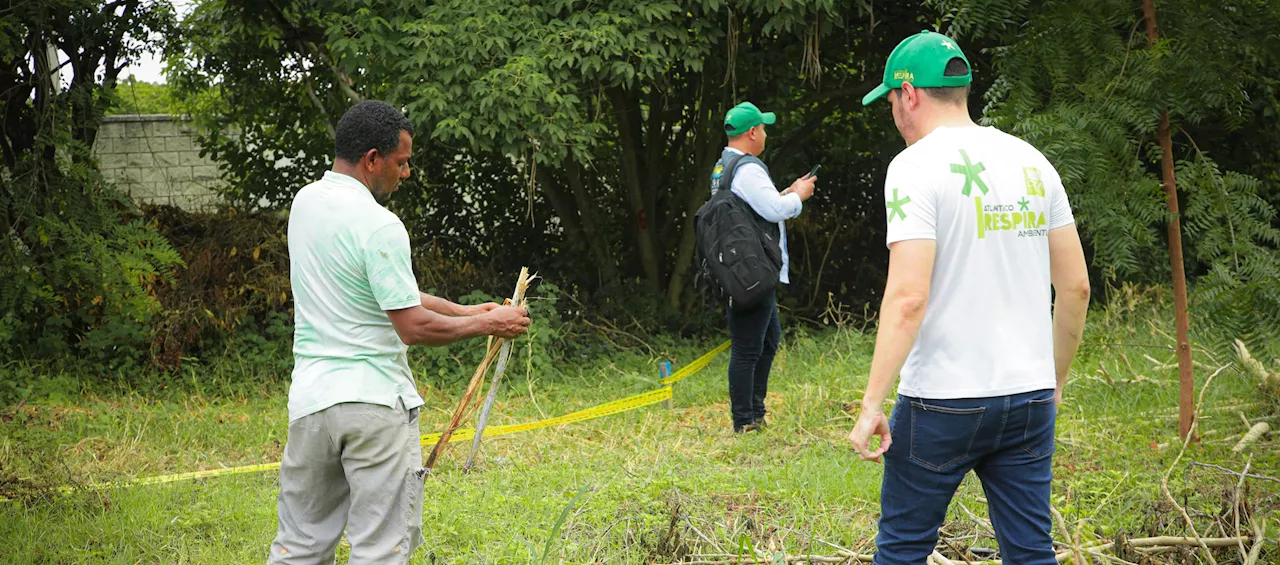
<point>348,182</point>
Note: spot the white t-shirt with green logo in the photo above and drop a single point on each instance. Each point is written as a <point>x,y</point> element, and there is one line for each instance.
<point>989,199</point>
<point>348,264</point>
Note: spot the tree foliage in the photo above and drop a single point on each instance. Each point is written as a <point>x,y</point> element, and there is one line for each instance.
<point>140,97</point>
<point>78,263</point>
<point>577,134</point>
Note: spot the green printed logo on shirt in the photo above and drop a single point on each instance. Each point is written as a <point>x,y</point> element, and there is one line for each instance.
<point>895,206</point>
<point>1035,186</point>
<point>996,217</point>
<point>970,172</point>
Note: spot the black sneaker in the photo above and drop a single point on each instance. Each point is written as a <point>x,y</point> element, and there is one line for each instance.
<point>760,424</point>
<point>752,427</point>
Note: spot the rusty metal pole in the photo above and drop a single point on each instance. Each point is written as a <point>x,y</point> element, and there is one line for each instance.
<point>1186,382</point>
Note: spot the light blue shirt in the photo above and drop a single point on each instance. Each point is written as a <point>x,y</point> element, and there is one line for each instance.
<point>348,264</point>
<point>752,184</point>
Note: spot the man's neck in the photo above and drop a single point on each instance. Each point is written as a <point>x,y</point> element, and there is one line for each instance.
<point>741,147</point>
<point>344,168</point>
<point>946,116</point>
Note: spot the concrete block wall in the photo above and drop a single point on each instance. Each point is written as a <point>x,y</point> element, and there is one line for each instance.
<point>154,158</point>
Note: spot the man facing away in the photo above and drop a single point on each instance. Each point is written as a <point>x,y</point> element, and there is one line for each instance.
<point>353,456</point>
<point>979,230</point>
<point>756,331</point>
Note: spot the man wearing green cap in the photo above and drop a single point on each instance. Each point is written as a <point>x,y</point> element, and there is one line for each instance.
<point>979,231</point>
<point>755,331</point>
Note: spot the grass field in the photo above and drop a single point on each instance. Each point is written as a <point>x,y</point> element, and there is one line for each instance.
<point>647,486</point>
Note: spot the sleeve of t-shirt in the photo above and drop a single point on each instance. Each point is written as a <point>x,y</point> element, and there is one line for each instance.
<point>1059,207</point>
<point>752,184</point>
<point>910,203</point>
<point>390,271</point>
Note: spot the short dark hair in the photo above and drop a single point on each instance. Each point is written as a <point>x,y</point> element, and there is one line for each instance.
<point>370,125</point>
<point>956,67</point>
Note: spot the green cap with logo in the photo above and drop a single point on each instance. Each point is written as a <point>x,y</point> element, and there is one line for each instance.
<point>921,60</point>
<point>745,116</point>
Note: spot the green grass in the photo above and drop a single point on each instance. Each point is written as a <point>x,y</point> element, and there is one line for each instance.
<point>659,483</point>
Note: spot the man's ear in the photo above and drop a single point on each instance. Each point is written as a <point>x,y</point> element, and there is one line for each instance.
<point>910,96</point>
<point>370,159</point>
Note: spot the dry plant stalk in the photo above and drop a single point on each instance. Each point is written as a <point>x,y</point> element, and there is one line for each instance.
<point>477,379</point>
<point>1164,481</point>
<point>517,298</point>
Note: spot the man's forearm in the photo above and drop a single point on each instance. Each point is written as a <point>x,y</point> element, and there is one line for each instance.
<point>442,306</point>
<point>436,330</point>
<point>900,319</point>
<point>1069,311</point>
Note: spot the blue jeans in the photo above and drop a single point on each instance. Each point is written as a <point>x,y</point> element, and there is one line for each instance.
<point>755,334</point>
<point>1006,440</point>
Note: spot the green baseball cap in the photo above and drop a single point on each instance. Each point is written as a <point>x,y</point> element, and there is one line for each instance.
<point>745,116</point>
<point>921,60</point>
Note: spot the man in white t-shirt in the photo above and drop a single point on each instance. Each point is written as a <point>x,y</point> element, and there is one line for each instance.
<point>979,231</point>
<point>353,459</point>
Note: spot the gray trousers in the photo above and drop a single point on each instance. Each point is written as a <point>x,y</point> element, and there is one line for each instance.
<point>351,466</point>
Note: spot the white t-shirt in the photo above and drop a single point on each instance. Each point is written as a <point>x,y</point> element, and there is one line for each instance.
<point>989,199</point>
<point>348,264</point>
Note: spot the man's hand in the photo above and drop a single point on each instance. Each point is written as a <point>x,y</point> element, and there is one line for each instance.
<point>803,187</point>
<point>871,423</point>
<point>508,322</point>
<point>1057,396</point>
<point>479,309</point>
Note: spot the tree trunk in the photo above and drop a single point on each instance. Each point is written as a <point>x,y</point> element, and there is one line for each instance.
<point>597,242</point>
<point>707,151</point>
<point>628,118</point>
<point>1186,381</point>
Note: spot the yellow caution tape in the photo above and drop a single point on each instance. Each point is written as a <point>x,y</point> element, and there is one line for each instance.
<point>606,409</point>
<point>695,366</point>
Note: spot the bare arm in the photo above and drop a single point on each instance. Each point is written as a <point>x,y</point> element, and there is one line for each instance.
<point>1070,278</point>
<point>448,308</point>
<point>902,311</point>
<point>419,326</point>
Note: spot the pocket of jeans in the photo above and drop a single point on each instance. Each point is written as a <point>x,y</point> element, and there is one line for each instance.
<point>1037,439</point>
<point>942,436</point>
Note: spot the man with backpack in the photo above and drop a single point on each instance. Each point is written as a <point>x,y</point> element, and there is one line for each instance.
<point>744,248</point>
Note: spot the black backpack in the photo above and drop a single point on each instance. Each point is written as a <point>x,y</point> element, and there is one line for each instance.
<point>738,256</point>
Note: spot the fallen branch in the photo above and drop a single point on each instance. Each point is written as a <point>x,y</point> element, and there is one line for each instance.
<point>1230,472</point>
<point>1164,481</point>
<point>937,559</point>
<point>738,559</point>
<point>1066,535</point>
<point>1259,539</point>
<point>1257,431</point>
<point>1152,545</point>
<point>1235,503</point>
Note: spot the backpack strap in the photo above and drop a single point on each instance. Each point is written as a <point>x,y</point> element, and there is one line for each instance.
<point>730,168</point>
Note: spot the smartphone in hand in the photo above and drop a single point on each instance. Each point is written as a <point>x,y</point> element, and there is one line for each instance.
<point>813,171</point>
